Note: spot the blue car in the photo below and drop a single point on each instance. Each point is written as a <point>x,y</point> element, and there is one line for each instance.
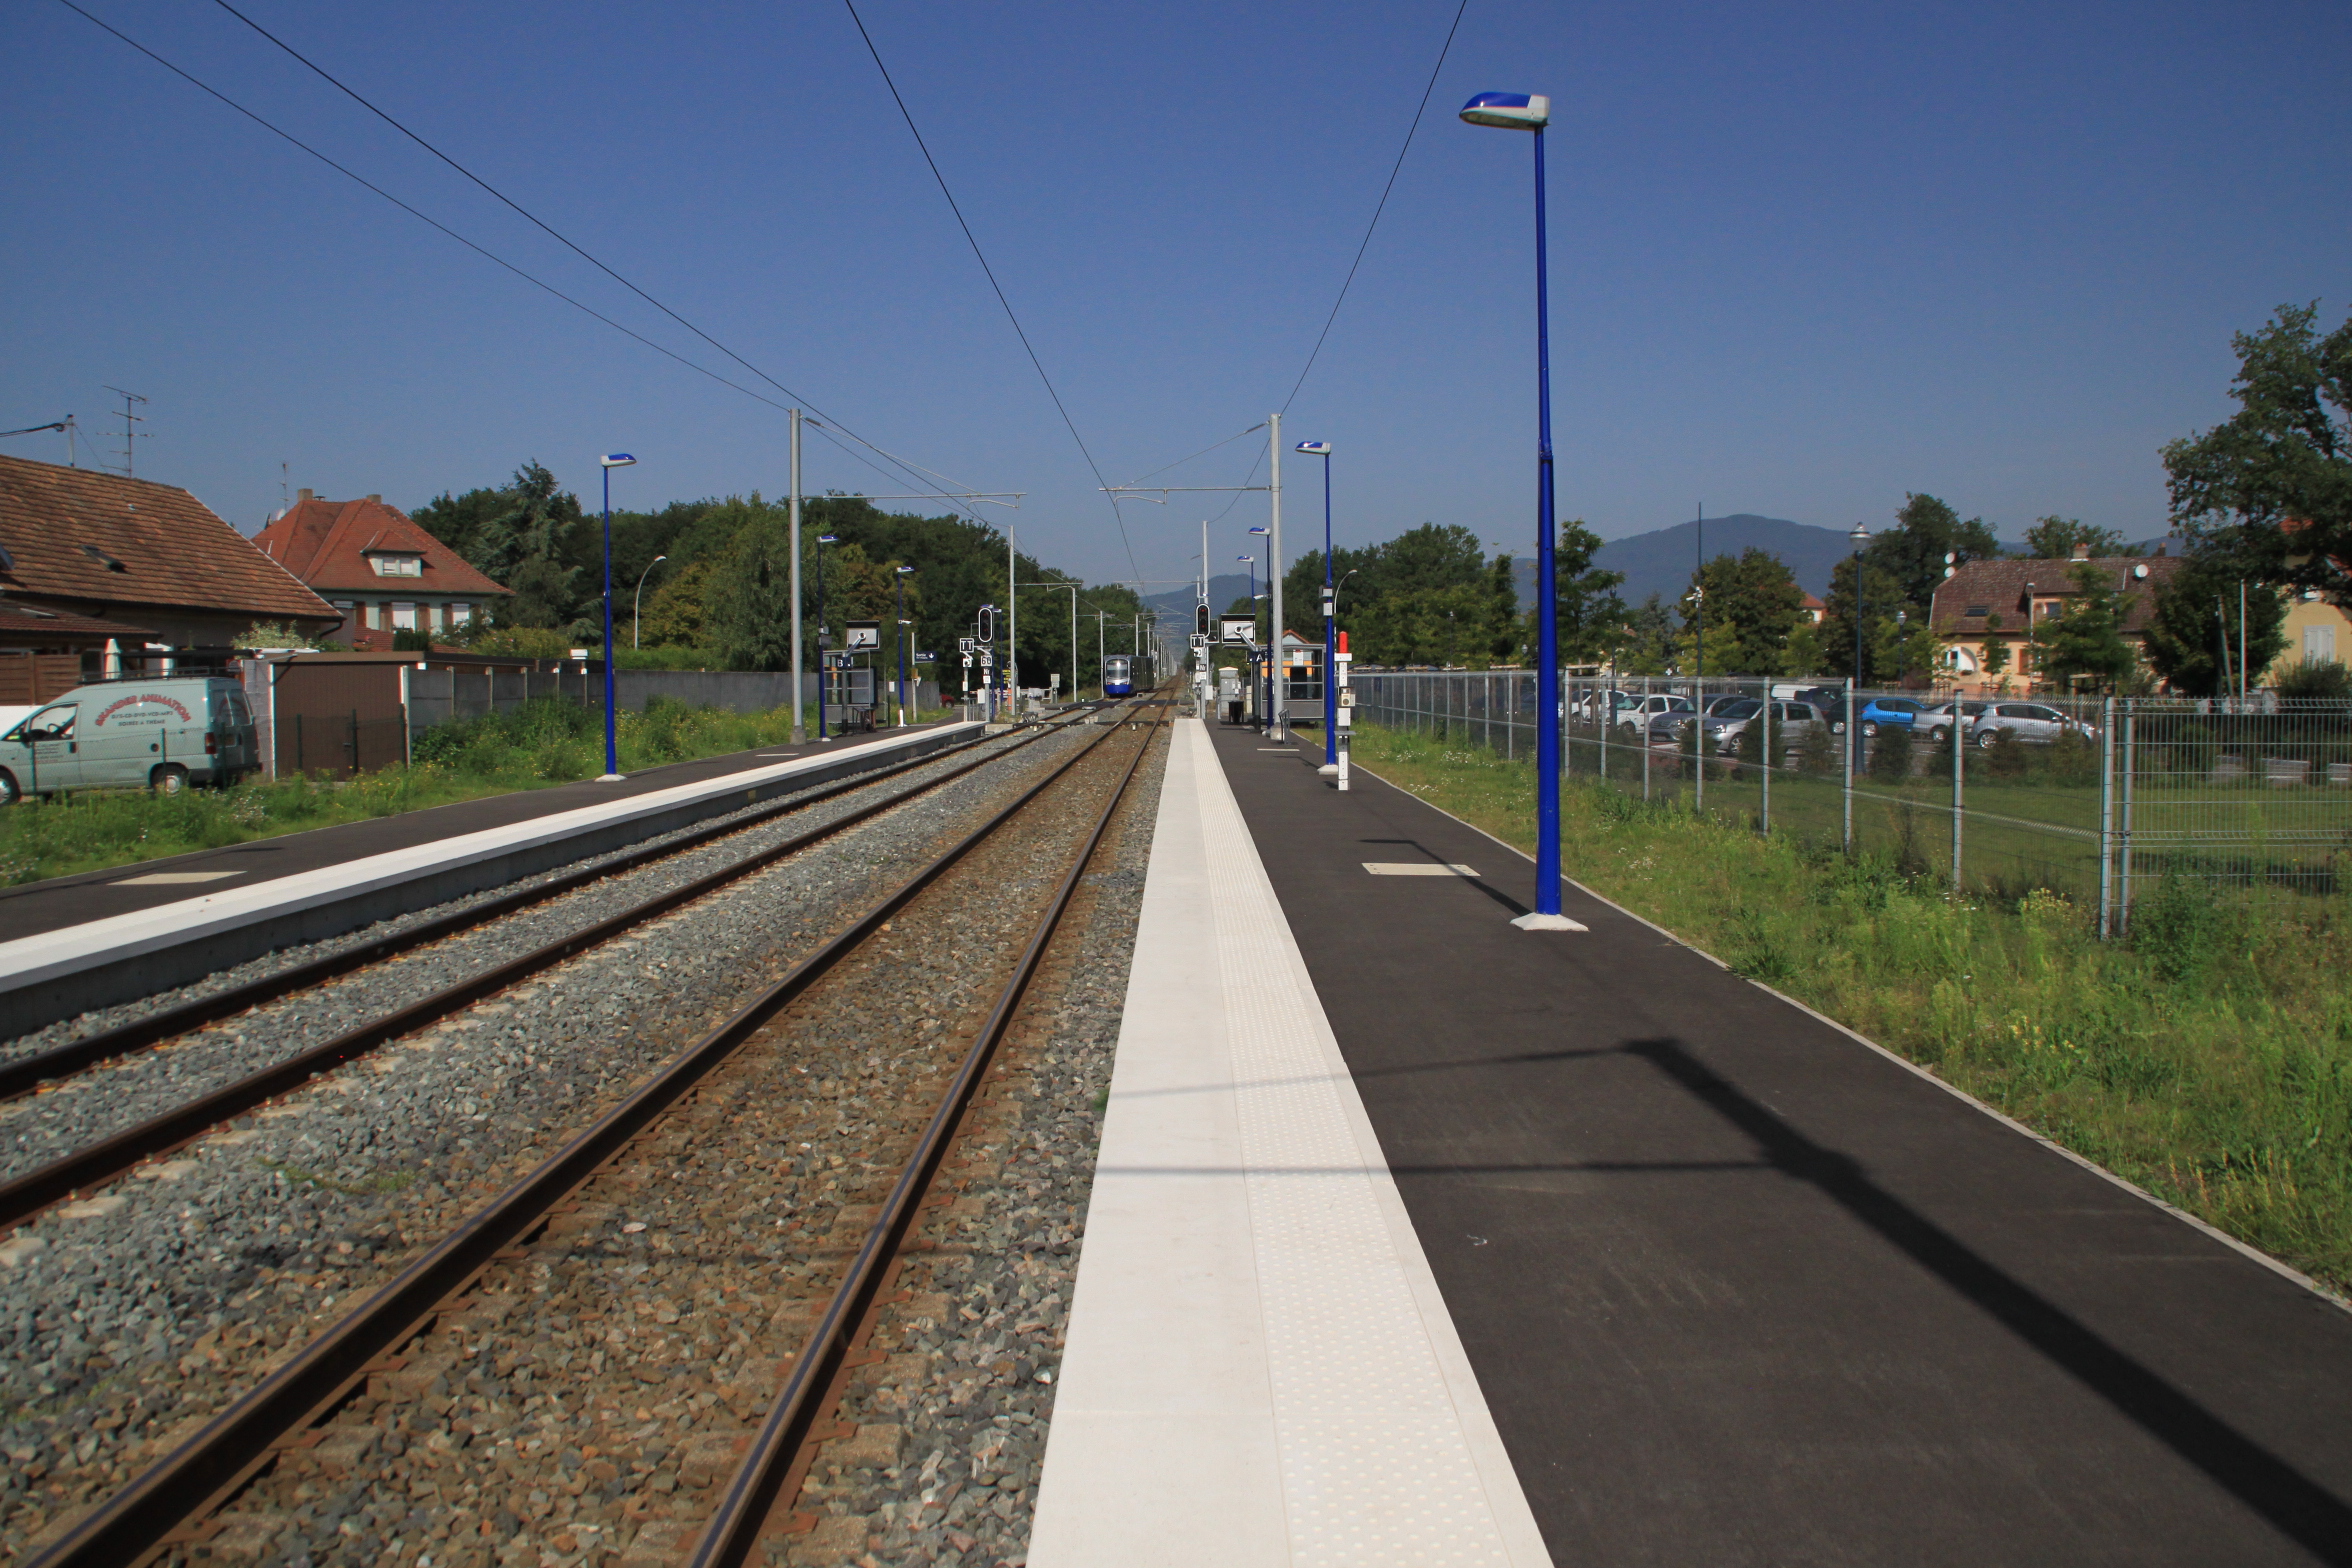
<point>1898,712</point>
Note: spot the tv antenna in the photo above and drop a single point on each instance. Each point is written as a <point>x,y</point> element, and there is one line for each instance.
<point>132,435</point>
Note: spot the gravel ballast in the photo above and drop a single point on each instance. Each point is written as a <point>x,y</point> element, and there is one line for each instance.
<point>130,1317</point>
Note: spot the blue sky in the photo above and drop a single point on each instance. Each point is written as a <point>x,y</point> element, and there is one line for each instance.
<point>1805,258</point>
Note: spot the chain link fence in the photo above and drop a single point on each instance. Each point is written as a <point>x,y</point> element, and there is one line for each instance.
<point>2099,799</point>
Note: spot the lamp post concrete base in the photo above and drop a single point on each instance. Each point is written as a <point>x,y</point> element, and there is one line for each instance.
<point>610,778</point>
<point>1549,923</point>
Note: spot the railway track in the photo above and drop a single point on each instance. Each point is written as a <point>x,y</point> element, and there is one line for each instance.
<point>90,1166</point>
<point>780,1197</point>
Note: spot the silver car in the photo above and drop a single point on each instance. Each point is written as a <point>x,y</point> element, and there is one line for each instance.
<point>1933,722</point>
<point>2035,723</point>
<point>1728,721</point>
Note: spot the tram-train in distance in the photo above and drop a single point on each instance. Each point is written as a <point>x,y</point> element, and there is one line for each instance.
<point>1117,678</point>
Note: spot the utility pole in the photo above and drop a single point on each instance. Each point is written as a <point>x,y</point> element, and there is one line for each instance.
<point>1012,622</point>
<point>799,732</point>
<point>131,436</point>
<point>1278,729</point>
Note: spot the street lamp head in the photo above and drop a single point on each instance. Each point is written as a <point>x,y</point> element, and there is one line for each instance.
<point>828,538</point>
<point>1860,534</point>
<point>656,561</point>
<point>906,571</point>
<point>616,460</point>
<point>1315,448</point>
<point>1253,560</point>
<point>1509,111</point>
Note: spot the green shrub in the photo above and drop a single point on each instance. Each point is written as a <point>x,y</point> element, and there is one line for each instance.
<point>2004,758</point>
<point>2071,759</point>
<point>2181,928</point>
<point>1891,754</point>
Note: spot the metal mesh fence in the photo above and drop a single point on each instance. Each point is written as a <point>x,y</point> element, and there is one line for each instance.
<point>2096,798</point>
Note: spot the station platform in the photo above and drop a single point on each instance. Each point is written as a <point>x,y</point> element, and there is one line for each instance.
<point>1728,1284</point>
<point>68,944</point>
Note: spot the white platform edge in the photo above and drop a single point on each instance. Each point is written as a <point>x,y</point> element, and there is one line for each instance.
<point>69,949</point>
<point>1108,1494</point>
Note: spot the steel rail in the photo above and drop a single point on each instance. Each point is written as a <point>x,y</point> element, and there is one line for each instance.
<point>96,1163</point>
<point>27,1073</point>
<point>730,1537</point>
<point>147,1514</point>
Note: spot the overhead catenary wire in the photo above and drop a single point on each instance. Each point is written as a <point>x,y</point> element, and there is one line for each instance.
<point>1419,112</point>
<point>432,222</point>
<point>574,247</point>
<point>1381,206</point>
<point>982,257</point>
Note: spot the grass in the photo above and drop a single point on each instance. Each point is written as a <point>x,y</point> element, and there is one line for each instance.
<point>2209,1060</point>
<point>541,744</point>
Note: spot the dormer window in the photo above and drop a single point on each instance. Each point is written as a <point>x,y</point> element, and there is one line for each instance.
<point>398,565</point>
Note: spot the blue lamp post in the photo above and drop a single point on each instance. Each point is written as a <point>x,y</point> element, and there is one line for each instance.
<point>824,669</point>
<point>612,739</point>
<point>1525,112</point>
<point>1322,449</point>
<point>902,574</point>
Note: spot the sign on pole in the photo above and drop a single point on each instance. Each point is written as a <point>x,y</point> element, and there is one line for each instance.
<point>864,634</point>
<point>1239,630</point>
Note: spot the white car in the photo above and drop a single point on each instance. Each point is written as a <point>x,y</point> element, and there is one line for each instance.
<point>1642,712</point>
<point>2035,723</point>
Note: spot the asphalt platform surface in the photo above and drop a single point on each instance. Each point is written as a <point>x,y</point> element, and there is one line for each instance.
<point>49,905</point>
<point>1740,1290</point>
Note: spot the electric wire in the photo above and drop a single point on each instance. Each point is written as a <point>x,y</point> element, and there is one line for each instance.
<point>982,257</point>
<point>560,238</point>
<point>1381,206</point>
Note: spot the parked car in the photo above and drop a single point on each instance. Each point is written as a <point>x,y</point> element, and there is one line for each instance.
<point>2035,723</point>
<point>1932,723</point>
<point>1595,706</point>
<point>1646,710</point>
<point>1727,723</point>
<point>1895,712</point>
<point>1830,702</point>
<point>161,734</point>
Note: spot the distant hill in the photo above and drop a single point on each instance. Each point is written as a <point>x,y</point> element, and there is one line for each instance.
<point>1178,602</point>
<point>1660,562</point>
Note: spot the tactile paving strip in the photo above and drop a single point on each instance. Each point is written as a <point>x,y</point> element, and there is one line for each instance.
<point>1377,1464</point>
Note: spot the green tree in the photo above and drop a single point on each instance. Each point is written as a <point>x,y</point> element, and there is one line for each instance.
<point>520,536</point>
<point>748,598</point>
<point>1912,552</point>
<point>1590,612</point>
<point>2195,612</point>
<point>1754,599</point>
<point>1996,649</point>
<point>2055,538</point>
<point>2086,639</point>
<point>1882,596</point>
<point>2271,486</point>
<point>1649,645</point>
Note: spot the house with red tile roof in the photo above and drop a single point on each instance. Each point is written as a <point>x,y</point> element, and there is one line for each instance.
<point>380,570</point>
<point>2005,601</point>
<point>90,559</point>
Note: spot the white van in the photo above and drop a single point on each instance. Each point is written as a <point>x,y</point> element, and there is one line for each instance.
<point>161,734</point>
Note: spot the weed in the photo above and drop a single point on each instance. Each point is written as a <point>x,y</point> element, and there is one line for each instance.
<point>369,1187</point>
<point>2209,1058</point>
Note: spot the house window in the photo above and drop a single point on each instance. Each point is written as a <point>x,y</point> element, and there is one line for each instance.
<point>398,565</point>
<point>404,617</point>
<point>459,614</point>
<point>2319,645</point>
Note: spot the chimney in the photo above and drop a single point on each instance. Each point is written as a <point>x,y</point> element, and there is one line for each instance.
<point>2082,552</point>
<point>379,500</point>
<point>304,495</point>
<point>2161,547</point>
